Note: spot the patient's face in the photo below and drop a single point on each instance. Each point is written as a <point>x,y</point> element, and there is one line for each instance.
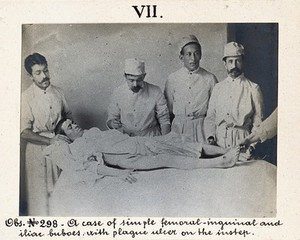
<point>72,130</point>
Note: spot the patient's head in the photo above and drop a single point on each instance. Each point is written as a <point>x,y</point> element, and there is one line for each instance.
<point>68,128</point>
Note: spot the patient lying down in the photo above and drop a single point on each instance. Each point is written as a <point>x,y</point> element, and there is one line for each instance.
<point>90,151</point>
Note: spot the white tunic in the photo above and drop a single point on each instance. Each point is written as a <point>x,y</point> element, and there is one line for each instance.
<point>40,112</point>
<point>141,113</point>
<point>235,107</point>
<point>188,94</point>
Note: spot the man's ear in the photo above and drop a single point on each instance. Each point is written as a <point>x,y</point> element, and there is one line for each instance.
<point>181,57</point>
<point>224,62</point>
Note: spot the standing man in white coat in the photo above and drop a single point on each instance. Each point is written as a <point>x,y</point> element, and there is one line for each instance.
<point>138,108</point>
<point>43,105</point>
<point>236,104</point>
<point>188,91</point>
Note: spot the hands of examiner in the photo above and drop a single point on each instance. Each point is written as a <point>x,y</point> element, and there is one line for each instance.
<point>59,137</point>
<point>244,143</point>
<point>246,154</point>
<point>127,176</point>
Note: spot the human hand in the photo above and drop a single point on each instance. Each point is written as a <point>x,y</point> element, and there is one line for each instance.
<point>126,175</point>
<point>59,137</point>
<point>244,143</point>
<point>115,124</point>
<point>246,154</point>
<point>211,141</point>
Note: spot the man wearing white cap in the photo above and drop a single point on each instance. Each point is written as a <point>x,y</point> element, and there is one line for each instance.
<point>236,104</point>
<point>188,91</point>
<point>138,108</point>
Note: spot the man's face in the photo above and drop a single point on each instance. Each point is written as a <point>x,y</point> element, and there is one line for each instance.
<point>72,130</point>
<point>40,75</point>
<point>135,82</point>
<point>191,55</point>
<point>234,66</point>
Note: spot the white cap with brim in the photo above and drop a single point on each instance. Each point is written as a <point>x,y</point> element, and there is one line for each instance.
<point>233,49</point>
<point>187,40</point>
<point>134,66</point>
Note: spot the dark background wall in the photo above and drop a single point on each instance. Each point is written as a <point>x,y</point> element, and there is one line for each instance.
<point>261,66</point>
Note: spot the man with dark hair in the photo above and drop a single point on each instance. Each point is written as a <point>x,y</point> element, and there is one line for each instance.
<point>91,149</point>
<point>236,105</point>
<point>137,107</point>
<point>43,105</point>
<point>188,91</point>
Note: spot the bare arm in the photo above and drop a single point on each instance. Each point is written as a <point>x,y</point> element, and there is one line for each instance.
<point>125,175</point>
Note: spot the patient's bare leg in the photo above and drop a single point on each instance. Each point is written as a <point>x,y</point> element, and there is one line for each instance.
<point>227,160</point>
<point>172,161</point>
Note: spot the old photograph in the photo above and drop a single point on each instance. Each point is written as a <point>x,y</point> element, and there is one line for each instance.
<point>149,119</point>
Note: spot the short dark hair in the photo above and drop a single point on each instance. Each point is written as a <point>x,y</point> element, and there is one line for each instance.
<point>33,59</point>
<point>58,129</point>
<point>181,52</point>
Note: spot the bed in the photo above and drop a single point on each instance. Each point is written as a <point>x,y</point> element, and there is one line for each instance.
<point>245,190</point>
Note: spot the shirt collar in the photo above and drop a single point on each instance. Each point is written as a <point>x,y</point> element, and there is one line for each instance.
<point>238,78</point>
<point>192,72</point>
<point>39,90</point>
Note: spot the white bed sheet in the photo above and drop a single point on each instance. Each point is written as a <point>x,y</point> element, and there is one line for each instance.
<point>246,190</point>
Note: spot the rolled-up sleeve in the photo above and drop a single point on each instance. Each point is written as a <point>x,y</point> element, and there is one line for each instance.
<point>161,108</point>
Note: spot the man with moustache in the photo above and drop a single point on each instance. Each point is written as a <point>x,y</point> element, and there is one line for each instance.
<point>188,91</point>
<point>236,105</point>
<point>43,105</point>
<point>138,108</point>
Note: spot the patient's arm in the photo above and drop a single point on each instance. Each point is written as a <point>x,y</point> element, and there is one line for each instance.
<point>123,174</point>
<point>97,166</point>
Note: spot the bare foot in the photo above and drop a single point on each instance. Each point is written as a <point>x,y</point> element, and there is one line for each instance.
<point>230,158</point>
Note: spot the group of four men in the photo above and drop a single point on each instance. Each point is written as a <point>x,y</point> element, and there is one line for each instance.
<point>198,107</point>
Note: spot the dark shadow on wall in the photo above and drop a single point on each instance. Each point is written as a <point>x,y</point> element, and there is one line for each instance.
<point>22,189</point>
<point>261,66</point>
